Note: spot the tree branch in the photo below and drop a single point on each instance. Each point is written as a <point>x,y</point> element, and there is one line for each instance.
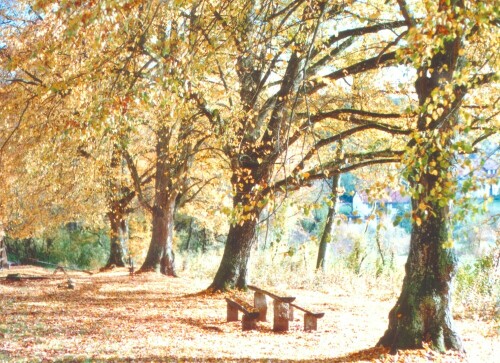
<point>363,125</point>
<point>383,60</point>
<point>136,180</point>
<point>183,201</point>
<point>341,111</point>
<point>336,114</point>
<point>20,80</point>
<point>410,22</point>
<point>360,31</point>
<point>292,182</point>
<point>20,120</point>
<point>363,66</point>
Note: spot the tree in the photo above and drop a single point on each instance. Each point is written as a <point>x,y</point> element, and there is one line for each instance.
<point>61,154</point>
<point>175,151</point>
<point>133,82</point>
<point>327,231</point>
<point>160,81</point>
<point>119,198</point>
<point>446,71</point>
<point>281,92</point>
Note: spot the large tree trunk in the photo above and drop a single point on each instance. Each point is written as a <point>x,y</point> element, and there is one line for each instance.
<point>423,310</point>
<point>233,269</point>
<point>118,238</point>
<point>3,251</point>
<point>232,272</point>
<point>327,232</point>
<point>119,197</point>
<point>160,257</point>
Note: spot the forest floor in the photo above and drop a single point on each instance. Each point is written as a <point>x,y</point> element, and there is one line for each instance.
<point>112,317</point>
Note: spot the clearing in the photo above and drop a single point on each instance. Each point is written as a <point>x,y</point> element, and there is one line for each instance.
<point>112,317</point>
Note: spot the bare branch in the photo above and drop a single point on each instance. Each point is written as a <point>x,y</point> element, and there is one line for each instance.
<point>184,201</point>
<point>383,60</point>
<point>360,31</point>
<point>410,22</point>
<point>342,111</point>
<point>20,80</point>
<point>14,130</point>
<point>363,66</point>
<point>136,180</point>
<point>293,181</point>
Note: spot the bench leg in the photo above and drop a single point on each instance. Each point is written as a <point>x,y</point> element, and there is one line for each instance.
<point>281,316</point>
<point>290,313</point>
<point>232,313</point>
<point>260,303</point>
<point>248,323</point>
<point>310,322</point>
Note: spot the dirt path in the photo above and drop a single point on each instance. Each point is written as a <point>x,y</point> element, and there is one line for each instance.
<point>112,317</point>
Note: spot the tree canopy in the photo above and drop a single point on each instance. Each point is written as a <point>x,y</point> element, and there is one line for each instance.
<point>226,108</point>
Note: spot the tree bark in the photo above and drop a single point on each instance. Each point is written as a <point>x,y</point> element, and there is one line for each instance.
<point>119,197</point>
<point>327,232</point>
<point>423,310</point>
<point>233,269</point>
<point>118,238</point>
<point>3,252</point>
<point>160,257</point>
<point>232,272</point>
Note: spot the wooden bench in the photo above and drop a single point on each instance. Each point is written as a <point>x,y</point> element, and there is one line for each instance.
<point>310,318</point>
<point>250,314</point>
<point>281,307</point>
<point>283,310</point>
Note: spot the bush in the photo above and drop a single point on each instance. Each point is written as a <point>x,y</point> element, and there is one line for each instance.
<point>354,260</point>
<point>477,288</point>
<point>25,250</point>
<point>71,245</point>
<point>198,265</point>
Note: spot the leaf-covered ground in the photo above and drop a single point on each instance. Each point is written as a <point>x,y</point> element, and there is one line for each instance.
<point>112,317</point>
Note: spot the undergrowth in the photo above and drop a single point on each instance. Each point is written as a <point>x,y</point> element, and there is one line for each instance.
<point>283,269</point>
<point>476,286</point>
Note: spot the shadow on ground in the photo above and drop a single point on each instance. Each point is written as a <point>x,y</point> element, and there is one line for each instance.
<point>370,354</point>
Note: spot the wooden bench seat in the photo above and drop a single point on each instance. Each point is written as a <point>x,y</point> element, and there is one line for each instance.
<point>281,307</point>
<point>310,318</point>
<point>283,310</point>
<point>250,314</point>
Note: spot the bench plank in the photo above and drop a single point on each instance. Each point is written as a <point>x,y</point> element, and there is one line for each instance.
<point>285,299</point>
<point>250,314</point>
<point>310,318</point>
<point>316,315</point>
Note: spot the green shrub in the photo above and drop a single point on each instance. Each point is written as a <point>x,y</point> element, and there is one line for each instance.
<point>80,247</point>
<point>71,245</point>
<point>354,260</point>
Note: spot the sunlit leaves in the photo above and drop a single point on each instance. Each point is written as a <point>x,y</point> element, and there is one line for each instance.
<point>258,77</point>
